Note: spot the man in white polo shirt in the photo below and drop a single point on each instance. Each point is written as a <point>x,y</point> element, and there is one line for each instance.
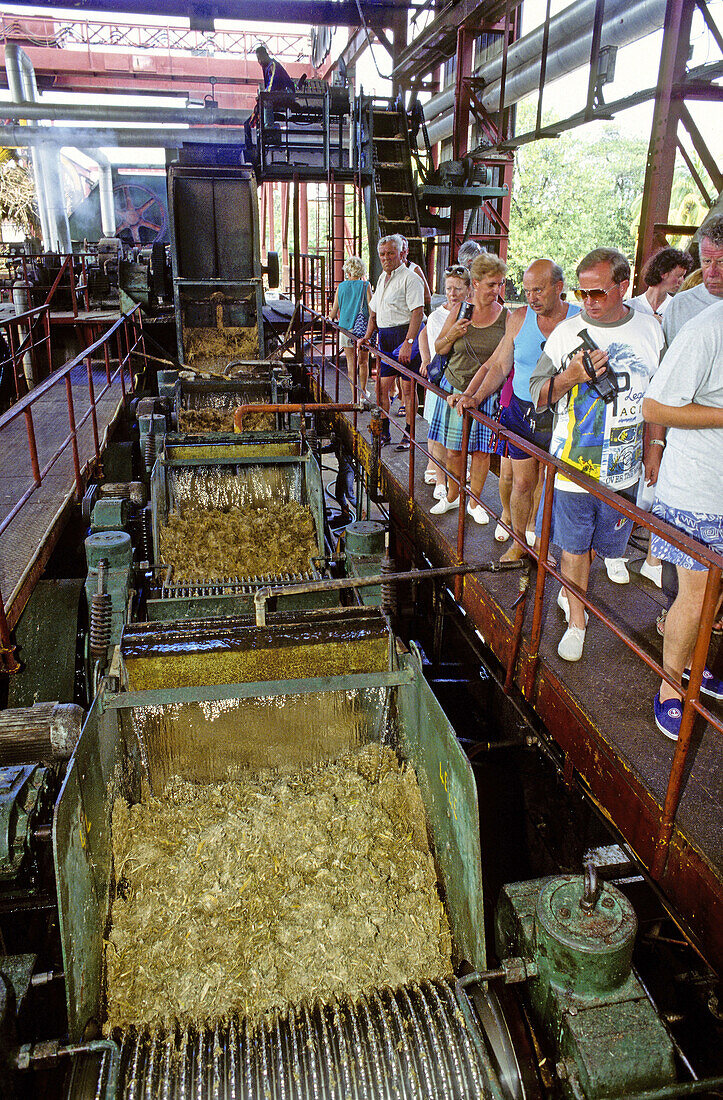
<point>396,310</point>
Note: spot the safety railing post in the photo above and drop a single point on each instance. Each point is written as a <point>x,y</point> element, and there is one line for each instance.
<point>106,359</point>
<point>68,262</point>
<point>121,333</point>
<point>32,446</point>
<point>677,771</point>
<point>48,345</point>
<point>93,412</point>
<point>323,354</point>
<point>355,382</point>
<point>466,428</point>
<point>411,419</point>
<point>73,436</point>
<point>536,631</point>
<point>336,358</point>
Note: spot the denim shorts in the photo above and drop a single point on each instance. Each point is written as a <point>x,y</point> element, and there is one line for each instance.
<point>705,527</point>
<point>581,521</point>
<point>389,341</point>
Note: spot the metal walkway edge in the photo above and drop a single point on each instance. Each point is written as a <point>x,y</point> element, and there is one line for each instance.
<point>599,710</point>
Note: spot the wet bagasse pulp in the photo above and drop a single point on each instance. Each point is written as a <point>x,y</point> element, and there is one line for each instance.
<point>243,897</point>
<point>239,542</point>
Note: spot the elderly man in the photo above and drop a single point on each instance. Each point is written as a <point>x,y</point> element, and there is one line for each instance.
<point>689,303</point>
<point>396,310</point>
<point>524,338</point>
<point>686,396</point>
<point>599,437</point>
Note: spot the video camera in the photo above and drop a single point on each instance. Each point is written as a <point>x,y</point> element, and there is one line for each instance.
<point>605,385</point>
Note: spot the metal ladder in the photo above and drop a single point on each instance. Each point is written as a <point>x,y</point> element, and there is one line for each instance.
<point>390,197</point>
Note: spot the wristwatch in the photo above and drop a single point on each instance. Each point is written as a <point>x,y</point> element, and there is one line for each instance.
<point>408,341</point>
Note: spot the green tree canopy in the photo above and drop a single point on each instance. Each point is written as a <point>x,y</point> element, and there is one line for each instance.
<point>572,194</point>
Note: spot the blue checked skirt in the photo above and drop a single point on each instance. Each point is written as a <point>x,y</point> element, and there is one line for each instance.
<point>445,426</point>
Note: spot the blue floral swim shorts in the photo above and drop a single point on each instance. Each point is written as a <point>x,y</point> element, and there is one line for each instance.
<point>705,527</point>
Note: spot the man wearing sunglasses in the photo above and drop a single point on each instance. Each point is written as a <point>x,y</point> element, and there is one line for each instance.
<point>689,303</point>
<point>599,437</point>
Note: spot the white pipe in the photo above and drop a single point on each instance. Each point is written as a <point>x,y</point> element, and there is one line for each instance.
<point>17,87</point>
<point>48,176</point>
<point>105,191</point>
<point>569,43</point>
<point>86,138</point>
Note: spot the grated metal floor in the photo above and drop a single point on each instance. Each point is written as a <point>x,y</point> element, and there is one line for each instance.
<point>24,544</point>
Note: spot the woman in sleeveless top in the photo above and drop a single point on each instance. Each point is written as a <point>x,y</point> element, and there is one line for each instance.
<point>351,302</point>
<point>469,343</point>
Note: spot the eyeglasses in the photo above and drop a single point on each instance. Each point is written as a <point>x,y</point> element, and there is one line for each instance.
<point>597,294</point>
<point>456,269</point>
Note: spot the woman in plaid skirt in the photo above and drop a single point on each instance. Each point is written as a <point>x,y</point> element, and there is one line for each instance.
<point>468,344</point>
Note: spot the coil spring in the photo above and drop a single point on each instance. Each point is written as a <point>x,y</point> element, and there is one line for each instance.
<point>389,588</point>
<point>146,538</point>
<point>149,453</point>
<point>101,614</point>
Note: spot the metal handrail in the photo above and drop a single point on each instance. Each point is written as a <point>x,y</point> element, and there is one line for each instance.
<point>127,335</point>
<point>28,344</point>
<point>711,560</point>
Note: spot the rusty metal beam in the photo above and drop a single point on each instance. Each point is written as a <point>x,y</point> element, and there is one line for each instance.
<point>337,13</point>
<point>664,135</point>
<point>707,160</point>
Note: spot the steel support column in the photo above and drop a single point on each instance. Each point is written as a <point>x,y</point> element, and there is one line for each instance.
<point>664,134</point>
<point>460,132</point>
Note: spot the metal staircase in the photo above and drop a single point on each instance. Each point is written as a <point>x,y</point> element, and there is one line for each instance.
<point>390,198</point>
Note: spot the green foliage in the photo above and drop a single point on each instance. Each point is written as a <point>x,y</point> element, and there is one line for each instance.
<point>572,194</point>
<point>17,195</point>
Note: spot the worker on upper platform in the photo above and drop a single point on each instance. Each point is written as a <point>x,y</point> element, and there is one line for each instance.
<point>276,80</point>
<point>689,303</point>
<point>600,363</point>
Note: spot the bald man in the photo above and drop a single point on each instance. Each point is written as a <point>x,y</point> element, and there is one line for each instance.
<point>524,339</point>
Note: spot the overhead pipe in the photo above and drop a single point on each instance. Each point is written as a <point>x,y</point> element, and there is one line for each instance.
<point>568,49</point>
<point>17,86</point>
<point>110,114</point>
<point>104,137</point>
<point>46,161</point>
<point>105,190</point>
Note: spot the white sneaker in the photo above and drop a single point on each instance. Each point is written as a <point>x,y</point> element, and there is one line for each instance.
<point>530,536</point>
<point>654,573</point>
<point>478,514</point>
<point>571,644</point>
<point>430,478</point>
<point>500,534</point>
<point>439,491</point>
<point>564,604</point>
<point>617,570</point>
<point>443,505</point>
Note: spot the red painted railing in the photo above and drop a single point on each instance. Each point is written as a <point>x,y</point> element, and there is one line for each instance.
<point>116,347</point>
<point>27,334</point>
<point>323,351</point>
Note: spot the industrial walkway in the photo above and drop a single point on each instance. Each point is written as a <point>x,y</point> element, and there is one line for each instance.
<point>598,710</point>
<point>49,440</point>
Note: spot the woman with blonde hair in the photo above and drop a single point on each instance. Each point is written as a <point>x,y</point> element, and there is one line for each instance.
<point>351,306</point>
<point>456,289</point>
<point>469,341</point>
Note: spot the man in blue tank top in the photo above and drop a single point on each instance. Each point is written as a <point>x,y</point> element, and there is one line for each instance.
<point>524,339</point>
